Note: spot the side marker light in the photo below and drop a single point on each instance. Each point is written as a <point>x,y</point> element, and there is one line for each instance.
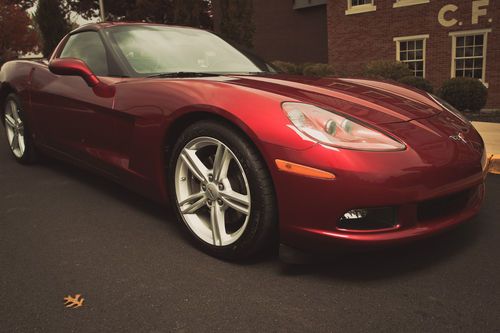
<point>303,170</point>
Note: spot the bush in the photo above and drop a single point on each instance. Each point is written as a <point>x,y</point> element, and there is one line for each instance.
<point>465,94</point>
<point>288,67</point>
<point>318,70</point>
<point>383,69</point>
<point>308,69</point>
<point>417,82</point>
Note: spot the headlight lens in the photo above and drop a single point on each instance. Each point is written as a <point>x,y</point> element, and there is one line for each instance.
<point>447,106</point>
<point>334,130</point>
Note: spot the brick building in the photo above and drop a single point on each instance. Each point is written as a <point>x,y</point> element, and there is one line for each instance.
<point>290,30</point>
<point>438,39</point>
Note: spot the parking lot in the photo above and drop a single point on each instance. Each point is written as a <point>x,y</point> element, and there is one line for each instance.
<point>64,232</point>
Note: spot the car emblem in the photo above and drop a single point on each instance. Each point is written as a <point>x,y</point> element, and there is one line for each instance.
<point>459,137</point>
<point>211,192</point>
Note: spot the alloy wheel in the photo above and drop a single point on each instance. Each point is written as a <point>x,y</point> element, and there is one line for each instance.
<point>15,129</point>
<point>213,193</point>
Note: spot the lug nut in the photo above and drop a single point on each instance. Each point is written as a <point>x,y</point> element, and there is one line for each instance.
<point>220,202</point>
<point>210,177</point>
<point>203,187</point>
<point>221,187</point>
<point>209,202</point>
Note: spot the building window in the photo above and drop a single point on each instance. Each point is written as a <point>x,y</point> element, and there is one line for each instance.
<point>411,51</point>
<point>404,3</point>
<point>361,2</point>
<point>360,6</point>
<point>469,54</point>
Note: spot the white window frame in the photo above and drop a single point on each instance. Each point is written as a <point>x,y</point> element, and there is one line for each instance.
<point>369,7</point>
<point>423,38</point>
<point>405,3</point>
<point>454,36</point>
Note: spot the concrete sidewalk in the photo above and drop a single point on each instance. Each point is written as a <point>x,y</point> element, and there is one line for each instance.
<point>491,136</point>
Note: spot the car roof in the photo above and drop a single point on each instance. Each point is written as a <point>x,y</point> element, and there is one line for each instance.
<point>105,25</point>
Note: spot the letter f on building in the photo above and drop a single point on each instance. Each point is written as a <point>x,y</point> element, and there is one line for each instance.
<point>478,11</point>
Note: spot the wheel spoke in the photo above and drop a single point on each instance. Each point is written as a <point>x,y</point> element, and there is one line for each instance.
<point>217,218</point>
<point>14,112</point>
<point>194,164</point>
<point>192,198</point>
<point>15,142</point>
<point>192,203</point>
<point>237,201</point>
<point>9,120</point>
<point>221,162</point>
<point>20,142</point>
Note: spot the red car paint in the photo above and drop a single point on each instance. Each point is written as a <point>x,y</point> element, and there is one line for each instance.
<point>123,128</point>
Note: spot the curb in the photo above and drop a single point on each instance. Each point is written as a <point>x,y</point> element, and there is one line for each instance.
<point>494,164</point>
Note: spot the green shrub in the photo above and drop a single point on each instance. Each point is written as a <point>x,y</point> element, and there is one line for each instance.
<point>308,69</point>
<point>383,69</point>
<point>465,94</point>
<point>417,82</point>
<point>318,70</point>
<point>288,67</point>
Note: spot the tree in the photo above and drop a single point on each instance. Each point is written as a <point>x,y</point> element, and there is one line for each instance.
<point>17,34</point>
<point>195,13</point>
<point>236,21</point>
<point>23,4</point>
<point>52,22</point>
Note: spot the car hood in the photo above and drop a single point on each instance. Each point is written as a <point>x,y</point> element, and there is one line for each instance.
<point>377,102</point>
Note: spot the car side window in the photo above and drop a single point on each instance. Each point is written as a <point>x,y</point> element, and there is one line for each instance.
<point>88,46</point>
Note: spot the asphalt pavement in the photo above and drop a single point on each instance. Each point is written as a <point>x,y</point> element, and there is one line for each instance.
<point>64,232</point>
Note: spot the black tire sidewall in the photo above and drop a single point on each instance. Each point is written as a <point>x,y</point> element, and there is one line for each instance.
<point>262,226</point>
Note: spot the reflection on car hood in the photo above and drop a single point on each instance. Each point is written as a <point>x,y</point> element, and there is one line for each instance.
<point>376,102</point>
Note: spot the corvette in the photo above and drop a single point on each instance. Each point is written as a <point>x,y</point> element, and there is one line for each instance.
<point>247,157</point>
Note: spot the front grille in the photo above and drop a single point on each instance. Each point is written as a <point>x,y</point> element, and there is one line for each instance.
<point>443,207</point>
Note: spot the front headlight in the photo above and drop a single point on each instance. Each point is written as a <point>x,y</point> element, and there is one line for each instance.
<point>335,130</point>
<point>447,106</point>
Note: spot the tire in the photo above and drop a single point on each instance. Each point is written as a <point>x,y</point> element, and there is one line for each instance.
<point>228,207</point>
<point>18,134</point>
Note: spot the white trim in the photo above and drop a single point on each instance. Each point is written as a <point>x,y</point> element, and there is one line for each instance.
<point>411,38</point>
<point>454,36</point>
<point>405,3</point>
<point>368,7</point>
<point>469,32</point>
<point>404,38</point>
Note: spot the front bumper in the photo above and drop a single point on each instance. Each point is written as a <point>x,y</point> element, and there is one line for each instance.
<point>409,228</point>
<point>410,181</point>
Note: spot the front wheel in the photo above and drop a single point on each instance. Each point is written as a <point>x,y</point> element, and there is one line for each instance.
<point>223,191</point>
<point>18,134</point>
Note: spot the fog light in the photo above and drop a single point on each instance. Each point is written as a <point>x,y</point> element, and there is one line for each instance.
<point>368,219</point>
<point>355,214</point>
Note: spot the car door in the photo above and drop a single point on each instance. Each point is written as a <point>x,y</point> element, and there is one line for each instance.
<point>72,118</point>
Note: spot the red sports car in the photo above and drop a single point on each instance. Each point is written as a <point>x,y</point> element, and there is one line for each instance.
<point>247,156</point>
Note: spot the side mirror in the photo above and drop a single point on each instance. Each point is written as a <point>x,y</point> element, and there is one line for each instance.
<point>75,67</point>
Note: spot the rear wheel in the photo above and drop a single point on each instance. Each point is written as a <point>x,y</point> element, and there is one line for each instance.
<point>223,191</point>
<point>18,134</point>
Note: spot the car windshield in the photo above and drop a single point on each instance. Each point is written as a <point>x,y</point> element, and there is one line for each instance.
<point>151,50</point>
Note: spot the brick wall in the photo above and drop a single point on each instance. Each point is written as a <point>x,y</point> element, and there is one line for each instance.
<point>283,33</point>
<point>355,39</point>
